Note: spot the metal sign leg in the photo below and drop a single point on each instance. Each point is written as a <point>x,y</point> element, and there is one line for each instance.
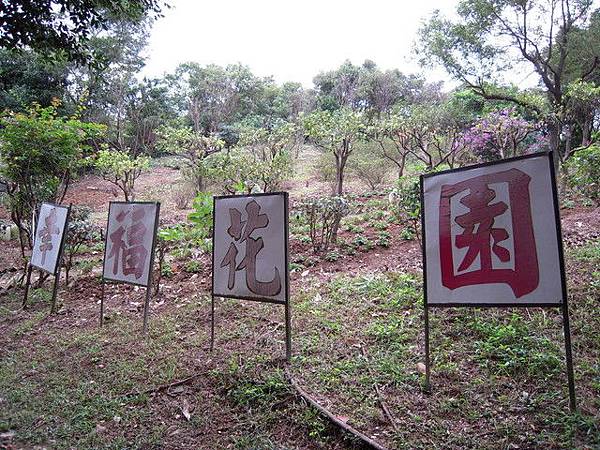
<point>569,357</point>
<point>55,292</point>
<point>212,322</point>
<point>27,284</point>
<point>102,304</point>
<point>427,360</point>
<point>288,332</point>
<point>147,307</point>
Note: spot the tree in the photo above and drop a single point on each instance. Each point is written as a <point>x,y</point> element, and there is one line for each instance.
<point>64,27</point>
<point>121,169</point>
<point>40,153</point>
<point>500,134</point>
<point>194,148</point>
<point>336,132</point>
<point>27,78</point>
<point>493,36</point>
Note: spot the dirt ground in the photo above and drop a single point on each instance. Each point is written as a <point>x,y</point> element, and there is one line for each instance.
<point>237,396</point>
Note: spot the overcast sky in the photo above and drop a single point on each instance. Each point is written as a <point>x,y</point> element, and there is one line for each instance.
<point>291,41</point>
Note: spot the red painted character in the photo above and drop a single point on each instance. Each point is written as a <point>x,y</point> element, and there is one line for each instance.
<point>47,232</point>
<point>241,231</point>
<point>485,241</point>
<point>131,252</point>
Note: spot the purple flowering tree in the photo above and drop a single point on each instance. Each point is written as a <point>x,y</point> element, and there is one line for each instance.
<point>500,134</point>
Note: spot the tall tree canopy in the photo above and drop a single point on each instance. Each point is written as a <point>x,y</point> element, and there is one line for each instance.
<point>64,26</point>
<point>557,39</point>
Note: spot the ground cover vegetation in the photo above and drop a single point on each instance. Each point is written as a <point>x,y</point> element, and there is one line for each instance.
<point>79,126</point>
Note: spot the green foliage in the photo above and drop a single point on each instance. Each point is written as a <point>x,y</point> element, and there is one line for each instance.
<point>383,239</point>
<point>511,349</point>
<point>121,169</point>
<point>202,215</point>
<point>192,266</point>
<point>406,205</point>
<point>584,168</point>
<point>241,171</point>
<point>39,154</point>
<point>64,28</point>
<point>194,148</point>
<point>323,215</point>
<point>332,256</point>
<point>81,231</point>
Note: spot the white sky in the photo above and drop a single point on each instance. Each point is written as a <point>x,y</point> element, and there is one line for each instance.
<point>291,41</point>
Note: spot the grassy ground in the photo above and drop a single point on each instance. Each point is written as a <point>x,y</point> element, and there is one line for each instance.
<point>498,375</point>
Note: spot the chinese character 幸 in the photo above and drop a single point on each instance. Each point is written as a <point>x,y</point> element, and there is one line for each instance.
<point>46,233</point>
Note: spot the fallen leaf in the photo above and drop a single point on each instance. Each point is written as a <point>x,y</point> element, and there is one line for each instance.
<point>185,409</point>
<point>421,368</point>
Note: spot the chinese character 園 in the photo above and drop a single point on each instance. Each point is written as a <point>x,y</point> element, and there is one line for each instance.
<point>482,239</point>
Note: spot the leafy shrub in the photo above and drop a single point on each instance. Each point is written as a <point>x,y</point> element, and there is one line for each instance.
<point>202,215</point>
<point>121,169</point>
<point>39,153</point>
<point>584,169</point>
<point>368,166</point>
<point>405,203</point>
<point>332,256</point>
<point>324,215</point>
<point>81,232</point>
<point>383,239</point>
<point>363,243</point>
<point>192,266</point>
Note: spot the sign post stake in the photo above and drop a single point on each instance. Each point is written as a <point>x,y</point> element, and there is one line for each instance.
<point>102,303</point>
<point>569,357</point>
<point>427,357</point>
<point>55,292</point>
<point>147,305</point>
<point>212,322</point>
<point>27,284</point>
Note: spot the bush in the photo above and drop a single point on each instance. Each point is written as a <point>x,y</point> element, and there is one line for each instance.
<point>182,196</point>
<point>584,168</point>
<point>324,215</point>
<point>369,167</point>
<point>81,231</point>
<point>40,153</point>
<point>121,169</point>
<point>405,203</point>
<point>202,215</point>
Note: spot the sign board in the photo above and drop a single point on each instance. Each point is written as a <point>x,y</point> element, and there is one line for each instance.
<point>130,241</point>
<point>250,247</point>
<point>49,237</point>
<point>492,235</point>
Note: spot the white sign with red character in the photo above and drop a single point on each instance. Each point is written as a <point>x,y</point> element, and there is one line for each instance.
<point>492,234</point>
<point>130,237</point>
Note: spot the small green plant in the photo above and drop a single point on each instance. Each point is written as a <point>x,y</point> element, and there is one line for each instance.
<point>332,256</point>
<point>192,266</point>
<point>383,239</point>
<point>511,349</point>
<point>201,217</point>
<point>363,243</point>
<point>408,234</point>
<point>354,228</point>
<point>166,270</point>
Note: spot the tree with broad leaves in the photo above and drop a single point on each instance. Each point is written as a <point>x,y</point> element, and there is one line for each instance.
<point>63,27</point>
<point>491,37</point>
<point>336,132</point>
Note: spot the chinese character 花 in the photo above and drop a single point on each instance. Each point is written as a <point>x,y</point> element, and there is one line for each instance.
<point>241,231</point>
<point>484,246</point>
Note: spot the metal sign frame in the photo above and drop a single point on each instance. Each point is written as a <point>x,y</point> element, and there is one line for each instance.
<point>148,284</point>
<point>286,302</point>
<point>563,304</point>
<point>57,265</point>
